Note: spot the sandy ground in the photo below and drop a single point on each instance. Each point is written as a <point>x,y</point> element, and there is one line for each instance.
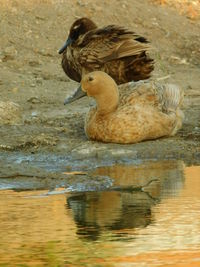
<point>31,75</point>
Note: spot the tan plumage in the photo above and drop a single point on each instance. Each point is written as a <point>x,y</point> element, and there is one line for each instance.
<point>143,110</point>
<point>113,49</point>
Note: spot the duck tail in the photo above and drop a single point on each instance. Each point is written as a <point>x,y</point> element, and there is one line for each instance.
<point>172,99</point>
<point>139,67</point>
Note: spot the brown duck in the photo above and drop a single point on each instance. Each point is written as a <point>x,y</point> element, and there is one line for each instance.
<point>113,49</point>
<point>146,110</point>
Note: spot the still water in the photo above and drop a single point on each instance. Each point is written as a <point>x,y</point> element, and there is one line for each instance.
<point>159,226</point>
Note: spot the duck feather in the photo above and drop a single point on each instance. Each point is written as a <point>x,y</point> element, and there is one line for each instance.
<point>113,49</point>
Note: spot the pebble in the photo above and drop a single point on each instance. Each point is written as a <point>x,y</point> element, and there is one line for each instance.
<point>34,63</point>
<point>34,100</point>
<point>34,114</point>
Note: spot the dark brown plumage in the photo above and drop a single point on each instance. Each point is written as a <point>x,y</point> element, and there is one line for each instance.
<point>113,49</point>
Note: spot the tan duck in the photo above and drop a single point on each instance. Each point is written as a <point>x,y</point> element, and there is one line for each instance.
<point>143,110</point>
<point>113,49</point>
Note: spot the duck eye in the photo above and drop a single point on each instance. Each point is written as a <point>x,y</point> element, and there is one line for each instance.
<point>90,78</point>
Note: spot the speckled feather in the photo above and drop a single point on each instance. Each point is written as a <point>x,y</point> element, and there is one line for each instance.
<point>119,52</point>
<point>144,111</point>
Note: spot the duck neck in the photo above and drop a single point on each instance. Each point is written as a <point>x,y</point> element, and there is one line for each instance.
<point>107,103</point>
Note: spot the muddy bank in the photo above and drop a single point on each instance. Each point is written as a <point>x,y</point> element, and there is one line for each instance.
<point>31,77</point>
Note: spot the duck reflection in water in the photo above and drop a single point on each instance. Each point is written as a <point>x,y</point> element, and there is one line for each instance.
<point>98,211</point>
<point>121,212</point>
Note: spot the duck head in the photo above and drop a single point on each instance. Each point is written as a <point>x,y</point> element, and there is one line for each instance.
<point>79,27</point>
<point>102,88</point>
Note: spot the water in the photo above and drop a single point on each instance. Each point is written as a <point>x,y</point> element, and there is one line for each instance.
<point>159,226</point>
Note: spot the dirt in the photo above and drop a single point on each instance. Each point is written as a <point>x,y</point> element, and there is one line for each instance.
<point>31,76</point>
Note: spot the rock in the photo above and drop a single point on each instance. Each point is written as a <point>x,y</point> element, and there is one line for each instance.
<point>102,151</point>
<point>43,140</point>
<point>34,100</point>
<point>46,53</point>
<point>34,114</point>
<point>32,84</point>
<point>40,17</point>
<point>34,62</point>
<point>10,113</point>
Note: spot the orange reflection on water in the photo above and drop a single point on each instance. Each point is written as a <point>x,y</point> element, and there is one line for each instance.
<point>164,258</point>
<point>117,228</point>
<point>31,226</point>
<point>177,224</point>
<point>192,186</point>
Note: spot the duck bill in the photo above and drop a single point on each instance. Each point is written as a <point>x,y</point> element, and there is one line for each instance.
<point>77,94</point>
<point>68,42</point>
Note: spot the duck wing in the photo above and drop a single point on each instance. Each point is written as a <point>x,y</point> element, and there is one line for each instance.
<point>110,43</point>
<point>166,98</point>
<point>139,93</point>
